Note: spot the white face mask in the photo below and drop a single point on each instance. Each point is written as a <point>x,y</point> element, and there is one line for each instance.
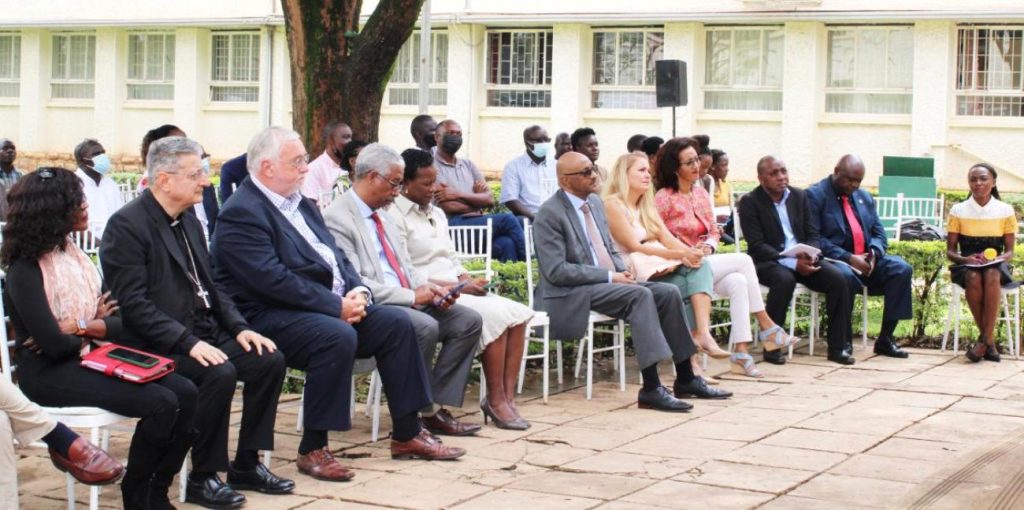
<point>541,150</point>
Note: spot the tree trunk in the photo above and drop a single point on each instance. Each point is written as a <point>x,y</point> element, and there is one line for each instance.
<point>338,72</point>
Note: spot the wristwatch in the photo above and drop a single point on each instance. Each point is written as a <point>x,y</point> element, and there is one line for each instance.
<point>82,326</point>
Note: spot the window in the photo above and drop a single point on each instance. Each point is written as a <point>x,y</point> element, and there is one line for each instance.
<point>988,71</point>
<point>74,66</point>
<point>10,65</point>
<point>519,68</point>
<point>870,70</point>
<point>404,87</point>
<point>235,73</point>
<point>624,68</point>
<point>151,66</point>
<point>743,69</point>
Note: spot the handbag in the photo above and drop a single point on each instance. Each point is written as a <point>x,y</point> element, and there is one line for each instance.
<point>127,364</point>
<point>647,266</point>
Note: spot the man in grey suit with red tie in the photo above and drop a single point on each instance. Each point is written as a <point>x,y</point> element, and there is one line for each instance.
<point>580,271</point>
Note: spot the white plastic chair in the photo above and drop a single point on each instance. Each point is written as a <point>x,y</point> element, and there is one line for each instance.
<point>471,242</point>
<point>617,330</point>
<point>540,321</point>
<point>1010,297</point>
<point>361,367</point>
<point>899,208</point>
<point>93,418</point>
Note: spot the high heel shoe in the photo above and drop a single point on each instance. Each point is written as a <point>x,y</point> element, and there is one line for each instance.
<point>972,355</point>
<point>516,424</point>
<point>775,338</point>
<point>712,350</point>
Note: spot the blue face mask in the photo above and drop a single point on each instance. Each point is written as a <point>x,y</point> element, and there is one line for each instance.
<point>101,163</point>
<point>206,165</point>
<point>541,150</point>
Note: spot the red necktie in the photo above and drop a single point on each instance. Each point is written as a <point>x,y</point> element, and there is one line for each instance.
<point>388,252</point>
<point>855,230</point>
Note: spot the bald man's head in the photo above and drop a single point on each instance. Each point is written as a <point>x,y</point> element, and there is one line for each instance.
<point>848,174</point>
<point>577,174</point>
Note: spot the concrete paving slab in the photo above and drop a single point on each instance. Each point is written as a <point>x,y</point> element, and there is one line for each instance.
<point>870,492</point>
<point>628,464</point>
<point>886,468</point>
<point>784,457</point>
<point>958,427</point>
<point>694,496</point>
<point>749,477</point>
<point>669,444</point>
<point>399,490</point>
<point>823,440</point>
<point>932,451</point>
<point>593,485</point>
<point>798,503</point>
<point>510,499</point>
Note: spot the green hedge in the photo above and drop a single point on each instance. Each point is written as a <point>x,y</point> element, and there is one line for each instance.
<point>931,290</point>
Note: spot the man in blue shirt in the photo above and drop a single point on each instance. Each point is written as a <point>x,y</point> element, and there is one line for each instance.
<point>529,179</point>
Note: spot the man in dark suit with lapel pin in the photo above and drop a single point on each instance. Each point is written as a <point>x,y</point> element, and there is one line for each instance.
<point>580,271</point>
<point>156,263</point>
<point>773,218</point>
<point>850,230</point>
<point>275,257</point>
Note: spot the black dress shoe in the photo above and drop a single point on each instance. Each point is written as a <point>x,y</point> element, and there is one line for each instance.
<point>212,493</point>
<point>696,387</point>
<point>661,400</point>
<point>973,356</point>
<point>260,479</point>
<point>992,353</point>
<point>776,357</point>
<point>842,357</point>
<point>886,347</point>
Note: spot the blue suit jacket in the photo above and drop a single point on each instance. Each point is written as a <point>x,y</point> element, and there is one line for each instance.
<point>263,262</point>
<point>827,213</point>
<point>233,172</point>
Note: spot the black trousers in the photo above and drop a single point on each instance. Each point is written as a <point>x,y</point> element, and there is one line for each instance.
<point>781,281</point>
<point>326,348</point>
<point>166,406</point>
<point>262,375</point>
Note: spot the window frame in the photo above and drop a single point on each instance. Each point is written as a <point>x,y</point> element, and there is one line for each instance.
<point>731,87</point>
<point>231,83</point>
<point>436,85</point>
<point>855,90</point>
<point>546,68</point>
<point>130,82</point>
<point>645,86</point>
<point>15,63</point>
<point>90,81</point>
<point>972,92</point>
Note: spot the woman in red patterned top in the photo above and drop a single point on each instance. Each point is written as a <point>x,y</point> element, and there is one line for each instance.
<point>686,211</point>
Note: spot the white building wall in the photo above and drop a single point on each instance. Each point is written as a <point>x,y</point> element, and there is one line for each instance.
<point>802,133</point>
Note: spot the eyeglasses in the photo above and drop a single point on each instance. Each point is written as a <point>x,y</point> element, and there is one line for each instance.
<point>690,162</point>
<point>393,184</point>
<point>298,161</point>
<point>586,172</point>
<point>194,176</point>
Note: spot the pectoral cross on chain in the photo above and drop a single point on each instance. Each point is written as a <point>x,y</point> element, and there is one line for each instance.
<point>204,296</point>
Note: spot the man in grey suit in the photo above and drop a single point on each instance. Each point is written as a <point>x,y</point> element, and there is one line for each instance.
<point>580,271</point>
<point>377,250</point>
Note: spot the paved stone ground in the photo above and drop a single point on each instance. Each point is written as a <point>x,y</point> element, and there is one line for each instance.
<point>928,432</point>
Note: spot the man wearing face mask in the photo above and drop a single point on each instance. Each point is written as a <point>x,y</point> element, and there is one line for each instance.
<point>523,179</point>
<point>325,170</point>
<point>463,194</point>
<point>101,191</point>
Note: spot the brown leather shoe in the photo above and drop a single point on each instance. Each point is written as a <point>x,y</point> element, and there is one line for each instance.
<point>320,464</point>
<point>426,447</point>
<point>88,464</point>
<point>443,423</point>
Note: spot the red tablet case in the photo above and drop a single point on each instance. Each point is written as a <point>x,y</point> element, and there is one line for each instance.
<point>100,361</point>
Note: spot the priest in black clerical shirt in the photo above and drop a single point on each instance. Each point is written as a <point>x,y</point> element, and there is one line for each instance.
<point>156,263</point>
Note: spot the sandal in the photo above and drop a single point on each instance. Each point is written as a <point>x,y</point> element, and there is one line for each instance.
<point>743,364</point>
<point>775,338</point>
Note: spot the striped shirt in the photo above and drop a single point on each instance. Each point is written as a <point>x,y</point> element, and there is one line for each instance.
<point>981,227</point>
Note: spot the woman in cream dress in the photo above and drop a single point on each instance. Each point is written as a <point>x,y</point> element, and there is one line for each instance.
<point>503,338</point>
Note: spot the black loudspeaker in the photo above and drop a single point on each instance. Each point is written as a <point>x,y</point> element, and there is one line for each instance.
<point>670,80</point>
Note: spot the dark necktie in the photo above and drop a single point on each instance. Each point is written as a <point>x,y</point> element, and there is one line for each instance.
<point>855,230</point>
<point>388,252</point>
